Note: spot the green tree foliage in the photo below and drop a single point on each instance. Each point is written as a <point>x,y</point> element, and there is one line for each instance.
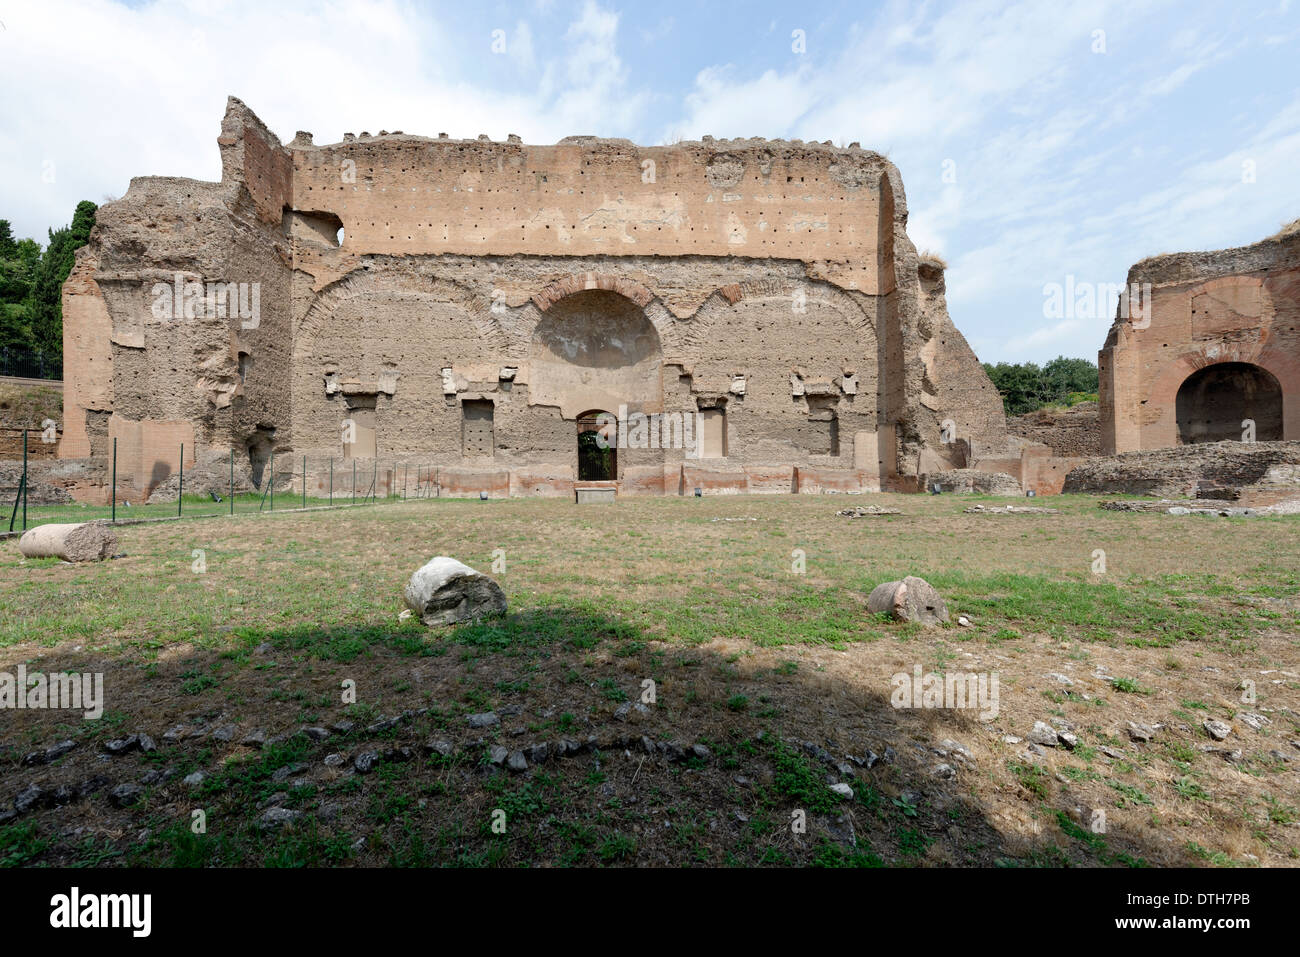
<point>1026,386</point>
<point>31,285</point>
<point>19,260</point>
<point>8,248</point>
<point>45,300</point>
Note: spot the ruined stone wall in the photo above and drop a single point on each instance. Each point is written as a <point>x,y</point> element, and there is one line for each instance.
<point>1236,308</point>
<point>166,376</point>
<point>410,195</point>
<point>360,331</point>
<point>87,358</point>
<point>463,303</point>
<point>1254,473</point>
<point>950,383</point>
<point>1073,432</point>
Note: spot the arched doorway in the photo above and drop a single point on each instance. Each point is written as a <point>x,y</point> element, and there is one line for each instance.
<point>1214,402</point>
<point>597,447</point>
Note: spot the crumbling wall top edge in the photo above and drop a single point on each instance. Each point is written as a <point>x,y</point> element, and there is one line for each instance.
<point>1279,250</point>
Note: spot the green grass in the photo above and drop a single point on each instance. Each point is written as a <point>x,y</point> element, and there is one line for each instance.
<point>801,782</point>
<point>255,563</point>
<point>596,606</point>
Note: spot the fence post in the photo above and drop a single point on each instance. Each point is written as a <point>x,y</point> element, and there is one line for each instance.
<point>354,481</point>
<point>13,515</point>
<point>374,477</point>
<point>112,492</point>
<point>180,489</point>
<point>272,489</point>
<point>406,473</point>
<point>232,481</point>
<point>24,480</point>
<point>331,481</point>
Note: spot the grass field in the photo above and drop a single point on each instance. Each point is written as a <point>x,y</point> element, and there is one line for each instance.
<point>747,613</point>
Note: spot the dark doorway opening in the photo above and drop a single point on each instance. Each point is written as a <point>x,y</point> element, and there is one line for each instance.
<point>1214,403</point>
<point>597,464</point>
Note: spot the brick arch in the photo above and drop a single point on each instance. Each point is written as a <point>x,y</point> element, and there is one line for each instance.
<point>818,291</point>
<point>368,280</point>
<point>1162,432</point>
<point>849,307</point>
<point>659,315</point>
<point>580,282</point>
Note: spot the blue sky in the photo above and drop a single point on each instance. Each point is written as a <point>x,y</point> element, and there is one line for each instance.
<point>1070,153</point>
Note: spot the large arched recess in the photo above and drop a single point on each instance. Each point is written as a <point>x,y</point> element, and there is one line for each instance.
<point>596,349</point>
<point>1226,402</point>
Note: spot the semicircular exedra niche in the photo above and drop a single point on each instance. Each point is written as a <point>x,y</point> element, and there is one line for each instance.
<point>598,329</point>
<point>596,349</point>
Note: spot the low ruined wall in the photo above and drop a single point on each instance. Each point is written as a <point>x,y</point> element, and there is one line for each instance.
<point>38,446</point>
<point>56,481</point>
<point>1258,472</point>
<point>972,481</point>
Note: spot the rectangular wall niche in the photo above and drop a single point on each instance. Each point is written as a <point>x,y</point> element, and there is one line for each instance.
<point>713,433</point>
<point>823,434</point>
<point>359,427</point>
<point>477,436</point>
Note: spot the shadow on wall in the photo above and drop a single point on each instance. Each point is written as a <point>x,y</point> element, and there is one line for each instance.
<point>259,453</point>
<point>161,473</point>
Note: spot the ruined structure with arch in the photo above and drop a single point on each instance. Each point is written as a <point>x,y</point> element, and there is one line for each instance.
<point>1212,353</point>
<point>477,305</point>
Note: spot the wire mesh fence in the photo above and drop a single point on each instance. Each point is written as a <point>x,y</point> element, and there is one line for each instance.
<point>29,364</point>
<point>231,487</point>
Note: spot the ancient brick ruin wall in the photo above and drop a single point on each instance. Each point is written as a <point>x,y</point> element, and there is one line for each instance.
<point>1254,473</point>
<point>711,358</point>
<point>1234,306</point>
<point>191,380</point>
<point>770,281</point>
<point>1073,432</point>
<point>403,195</point>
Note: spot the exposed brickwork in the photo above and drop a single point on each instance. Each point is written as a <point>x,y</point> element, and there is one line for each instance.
<point>1237,308</point>
<point>1073,432</point>
<point>768,284</point>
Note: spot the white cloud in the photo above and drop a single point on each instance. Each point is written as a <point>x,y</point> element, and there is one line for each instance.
<point>110,92</point>
<point>1067,162</point>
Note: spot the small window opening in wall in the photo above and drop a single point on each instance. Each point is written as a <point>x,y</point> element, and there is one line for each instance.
<point>245,364</point>
<point>338,238</point>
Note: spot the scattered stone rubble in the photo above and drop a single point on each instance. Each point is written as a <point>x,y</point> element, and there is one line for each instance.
<point>863,511</point>
<point>1010,510</point>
